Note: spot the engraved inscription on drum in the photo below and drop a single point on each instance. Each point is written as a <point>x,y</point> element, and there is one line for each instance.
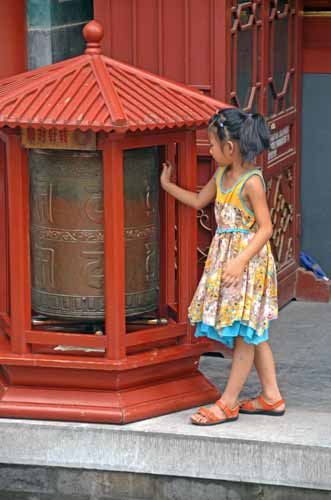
<point>150,268</point>
<point>44,274</point>
<point>94,205</point>
<point>42,201</point>
<point>68,306</point>
<point>134,233</point>
<point>141,298</point>
<point>94,268</point>
<point>73,236</point>
<point>150,209</point>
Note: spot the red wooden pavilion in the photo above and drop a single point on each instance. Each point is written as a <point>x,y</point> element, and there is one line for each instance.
<point>130,372</point>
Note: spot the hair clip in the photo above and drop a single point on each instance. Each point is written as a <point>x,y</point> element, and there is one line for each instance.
<point>219,119</point>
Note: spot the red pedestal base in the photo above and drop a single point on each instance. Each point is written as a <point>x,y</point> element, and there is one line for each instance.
<point>102,396</point>
<point>308,287</point>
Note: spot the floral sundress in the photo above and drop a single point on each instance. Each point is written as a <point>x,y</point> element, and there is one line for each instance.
<point>224,313</point>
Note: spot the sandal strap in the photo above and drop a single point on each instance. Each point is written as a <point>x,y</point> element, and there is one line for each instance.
<point>209,415</point>
<point>227,411</point>
<point>247,404</point>
<point>269,406</point>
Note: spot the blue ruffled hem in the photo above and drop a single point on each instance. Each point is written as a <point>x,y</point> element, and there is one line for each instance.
<point>229,333</point>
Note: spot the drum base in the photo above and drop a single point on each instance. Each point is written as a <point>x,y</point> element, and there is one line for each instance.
<point>103,396</point>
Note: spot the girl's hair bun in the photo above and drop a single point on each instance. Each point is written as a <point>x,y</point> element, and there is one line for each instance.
<point>249,130</point>
<point>254,137</point>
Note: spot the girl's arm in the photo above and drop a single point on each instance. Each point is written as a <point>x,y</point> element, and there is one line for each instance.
<point>194,200</point>
<point>255,195</point>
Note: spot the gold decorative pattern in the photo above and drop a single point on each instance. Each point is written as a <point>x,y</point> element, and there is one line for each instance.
<point>281,209</point>
<point>205,225</point>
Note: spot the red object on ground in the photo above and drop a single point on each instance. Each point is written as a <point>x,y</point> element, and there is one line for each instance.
<point>309,287</point>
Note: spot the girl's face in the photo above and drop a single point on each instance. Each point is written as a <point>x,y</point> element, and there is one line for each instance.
<point>221,153</point>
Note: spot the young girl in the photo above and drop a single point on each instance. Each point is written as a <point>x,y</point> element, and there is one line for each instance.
<point>237,294</point>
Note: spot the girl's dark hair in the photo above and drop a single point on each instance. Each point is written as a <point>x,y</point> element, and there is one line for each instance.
<point>249,130</point>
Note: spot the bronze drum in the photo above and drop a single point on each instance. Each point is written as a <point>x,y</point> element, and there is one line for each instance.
<point>67,251</point>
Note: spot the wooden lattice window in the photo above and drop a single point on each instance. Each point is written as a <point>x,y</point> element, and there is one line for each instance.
<point>245,49</point>
<point>281,57</point>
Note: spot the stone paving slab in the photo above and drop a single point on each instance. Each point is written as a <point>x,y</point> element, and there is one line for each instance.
<point>294,450</point>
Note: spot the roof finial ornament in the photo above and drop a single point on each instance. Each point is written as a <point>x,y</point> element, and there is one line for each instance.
<point>93,34</point>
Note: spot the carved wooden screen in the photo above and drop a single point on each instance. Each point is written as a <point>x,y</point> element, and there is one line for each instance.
<point>282,162</point>
<point>245,77</point>
<point>263,40</point>
<point>243,52</point>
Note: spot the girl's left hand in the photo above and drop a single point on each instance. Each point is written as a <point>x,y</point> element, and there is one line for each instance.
<point>233,272</point>
<point>167,171</point>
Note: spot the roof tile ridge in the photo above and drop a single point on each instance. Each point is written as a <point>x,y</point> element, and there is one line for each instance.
<point>113,103</point>
<point>44,78</point>
<point>168,82</point>
<point>41,69</point>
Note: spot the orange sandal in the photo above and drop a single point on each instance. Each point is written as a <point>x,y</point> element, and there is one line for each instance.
<point>212,419</point>
<point>247,407</point>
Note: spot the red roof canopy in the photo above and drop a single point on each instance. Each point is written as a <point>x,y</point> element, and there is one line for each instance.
<point>94,92</point>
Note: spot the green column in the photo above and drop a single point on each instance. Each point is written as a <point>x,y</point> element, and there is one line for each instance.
<point>55,29</point>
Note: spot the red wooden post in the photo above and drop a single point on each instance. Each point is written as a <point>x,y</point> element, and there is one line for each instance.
<point>19,245</point>
<point>4,264</point>
<point>187,230</point>
<point>169,239</point>
<point>114,250</point>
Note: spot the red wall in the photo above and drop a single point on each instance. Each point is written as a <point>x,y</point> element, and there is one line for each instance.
<point>317,37</point>
<point>12,37</point>
<point>317,45</point>
<point>168,37</point>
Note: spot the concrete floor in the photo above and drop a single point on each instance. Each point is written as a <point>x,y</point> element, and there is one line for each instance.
<point>301,342</point>
<point>293,450</point>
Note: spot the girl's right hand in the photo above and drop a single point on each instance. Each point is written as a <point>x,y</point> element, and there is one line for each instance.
<point>166,173</point>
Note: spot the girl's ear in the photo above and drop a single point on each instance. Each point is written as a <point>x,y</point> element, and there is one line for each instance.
<point>231,147</point>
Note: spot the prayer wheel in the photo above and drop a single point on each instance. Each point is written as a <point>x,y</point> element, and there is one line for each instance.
<point>81,222</point>
<point>67,232</point>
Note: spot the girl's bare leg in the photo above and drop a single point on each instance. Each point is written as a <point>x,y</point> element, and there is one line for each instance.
<point>265,367</point>
<point>242,362</point>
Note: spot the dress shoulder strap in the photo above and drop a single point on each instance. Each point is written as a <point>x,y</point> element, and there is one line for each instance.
<point>217,177</point>
<point>218,173</point>
<point>251,173</point>
<point>241,185</point>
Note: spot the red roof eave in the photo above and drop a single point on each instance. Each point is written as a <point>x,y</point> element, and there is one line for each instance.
<point>102,128</point>
<point>93,92</point>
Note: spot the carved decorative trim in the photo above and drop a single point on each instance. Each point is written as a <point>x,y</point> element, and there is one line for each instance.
<point>280,195</point>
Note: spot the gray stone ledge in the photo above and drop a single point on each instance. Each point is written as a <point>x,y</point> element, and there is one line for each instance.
<point>53,483</point>
<point>170,446</point>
